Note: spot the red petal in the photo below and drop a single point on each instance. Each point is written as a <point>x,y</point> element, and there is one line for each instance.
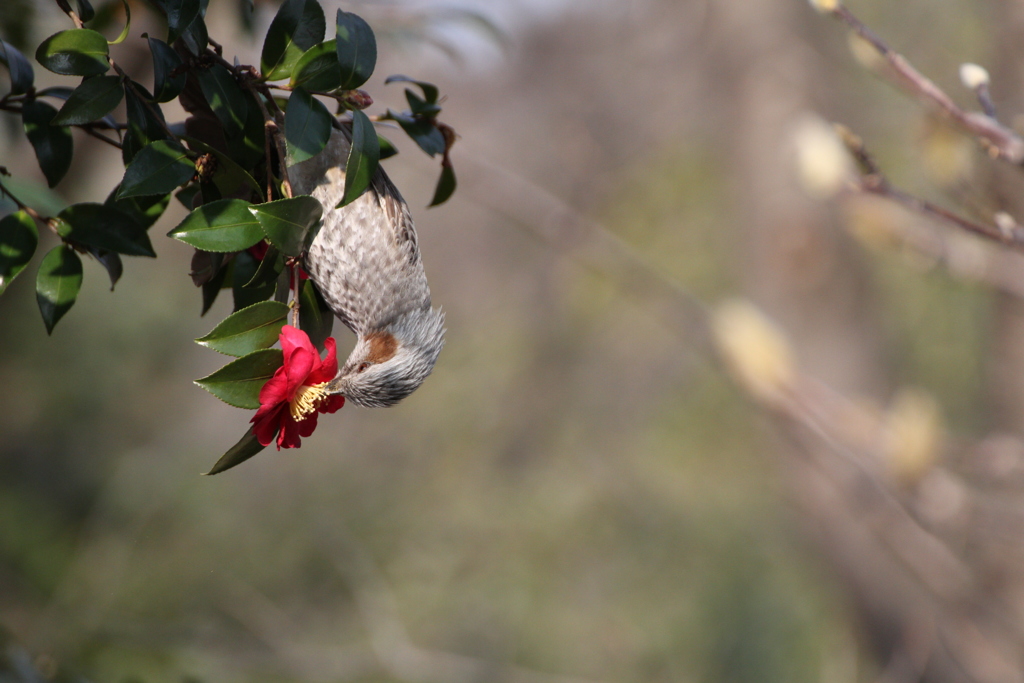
<point>266,422</point>
<point>307,425</point>
<point>325,370</point>
<point>275,390</point>
<point>289,436</point>
<point>332,403</point>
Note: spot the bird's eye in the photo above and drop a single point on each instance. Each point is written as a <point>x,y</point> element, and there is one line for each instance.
<point>363,366</point>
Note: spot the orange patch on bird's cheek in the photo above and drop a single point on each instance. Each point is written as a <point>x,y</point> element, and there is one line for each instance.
<point>383,347</point>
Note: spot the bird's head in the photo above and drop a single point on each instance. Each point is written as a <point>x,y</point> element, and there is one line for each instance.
<point>390,363</point>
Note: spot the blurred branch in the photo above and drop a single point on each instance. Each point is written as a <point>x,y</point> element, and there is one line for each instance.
<point>1000,141</point>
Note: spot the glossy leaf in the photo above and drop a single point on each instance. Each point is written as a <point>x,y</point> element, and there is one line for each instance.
<point>270,267</point>
<point>18,67</point>
<point>104,227</point>
<point>315,318</point>
<point>166,84</point>
<point>85,10</point>
<point>423,132</point>
<point>143,210</point>
<point>145,121</point>
<point>430,91</point>
<point>357,49</point>
<point>224,96</point>
<point>288,222</point>
<point>57,284</point>
<point>195,36</point>
<point>318,69</point>
<point>159,168</point>
<point>75,52</point>
<point>247,330</point>
<point>223,225</point>
<point>445,185</point>
<point>229,176</point>
<point>239,382</point>
<point>307,126</point>
<point>246,447</point>
<point>127,23</point>
<point>298,26</point>
<point>92,100</point>
<point>180,14</point>
<point>420,107</point>
<point>52,144</point>
<point>363,158</point>
<point>387,148</point>
<point>111,262</point>
<point>18,240</point>
<point>243,272</point>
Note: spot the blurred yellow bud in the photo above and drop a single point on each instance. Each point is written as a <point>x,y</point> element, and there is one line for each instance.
<point>823,164</point>
<point>912,435</point>
<point>825,6</point>
<point>755,350</point>
<point>973,76</point>
<point>873,221</point>
<point>864,52</point>
<point>948,155</point>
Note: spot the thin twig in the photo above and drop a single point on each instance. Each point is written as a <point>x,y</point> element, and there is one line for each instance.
<point>274,132</point>
<point>1000,140</point>
<point>89,131</point>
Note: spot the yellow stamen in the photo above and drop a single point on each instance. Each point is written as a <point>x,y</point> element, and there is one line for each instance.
<point>306,399</point>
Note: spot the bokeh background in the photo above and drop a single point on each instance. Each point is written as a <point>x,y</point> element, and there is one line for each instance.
<point>580,492</point>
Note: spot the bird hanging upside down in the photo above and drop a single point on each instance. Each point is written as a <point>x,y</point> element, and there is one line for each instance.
<point>365,261</point>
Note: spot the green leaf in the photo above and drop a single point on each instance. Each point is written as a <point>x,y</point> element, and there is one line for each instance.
<point>307,126</point>
<point>318,69</point>
<point>34,193</point>
<point>356,48</point>
<point>85,11</point>
<point>57,284</point>
<point>52,144</point>
<point>287,222</point>
<point>195,36</point>
<point>18,240</point>
<point>216,274</point>
<point>246,447</point>
<point>75,52</point>
<point>315,318</point>
<point>19,68</point>
<point>243,272</point>
<point>430,91</point>
<point>158,168</point>
<point>269,269</point>
<point>387,148</point>
<point>239,382</point>
<point>223,225</point>
<point>423,132</point>
<point>93,99</point>
<point>225,97</point>
<point>145,121</point>
<point>298,26</point>
<point>111,261</point>
<point>445,185</point>
<point>127,23</point>
<point>145,211</point>
<point>104,227</point>
<point>180,15</point>
<point>247,330</point>
<point>228,177</point>
<point>421,107</point>
<point>165,60</point>
<point>363,158</point>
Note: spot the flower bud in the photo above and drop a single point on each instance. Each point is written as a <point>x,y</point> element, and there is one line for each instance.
<point>973,76</point>
<point>825,6</point>
<point>755,350</point>
<point>912,435</point>
<point>356,99</point>
<point>823,163</point>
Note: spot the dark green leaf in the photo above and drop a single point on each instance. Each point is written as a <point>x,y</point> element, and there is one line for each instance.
<point>186,196</point>
<point>356,48</point>
<point>57,284</point>
<point>75,52</point>
<point>111,261</point>
<point>165,60</point>
<point>430,91</point>
<point>18,67</point>
<point>93,99</point>
<point>229,177</point>
<point>225,97</point>
<point>85,11</point>
<point>158,168</point>
<point>210,272</point>
<point>298,26</point>
<point>243,272</point>
<point>269,269</point>
<point>423,132</point>
<point>34,193</point>
<point>249,329</point>
<point>105,227</point>
<point>18,240</point>
<point>318,69</point>
<point>145,211</point>
<point>239,382</point>
<point>196,37</point>
<point>420,107</point>
<point>387,148</point>
<point>180,14</point>
<point>145,121</point>
<point>246,447</point>
<point>52,144</point>
<point>445,185</point>
<point>363,158</point>
<point>307,126</point>
<point>315,318</point>
<point>287,222</point>
<point>223,225</point>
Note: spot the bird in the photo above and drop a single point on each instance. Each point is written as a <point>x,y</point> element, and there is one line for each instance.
<point>365,261</point>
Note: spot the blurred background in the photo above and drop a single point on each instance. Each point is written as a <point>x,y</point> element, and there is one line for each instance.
<point>580,492</point>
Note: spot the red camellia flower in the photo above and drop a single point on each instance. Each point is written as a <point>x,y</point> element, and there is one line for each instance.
<point>291,399</point>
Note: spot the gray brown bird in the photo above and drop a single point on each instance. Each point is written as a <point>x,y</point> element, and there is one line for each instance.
<point>365,261</point>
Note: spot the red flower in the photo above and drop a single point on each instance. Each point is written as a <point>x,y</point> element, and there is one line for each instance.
<point>291,399</point>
